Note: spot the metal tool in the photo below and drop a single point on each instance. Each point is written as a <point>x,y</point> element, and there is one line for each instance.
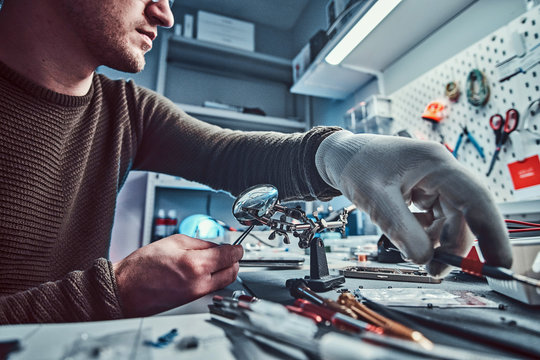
<point>502,129</point>
<point>389,326</point>
<point>465,132</point>
<point>258,204</point>
<point>477,268</point>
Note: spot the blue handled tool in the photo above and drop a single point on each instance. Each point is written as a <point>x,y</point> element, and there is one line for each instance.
<point>473,141</point>
<point>502,129</point>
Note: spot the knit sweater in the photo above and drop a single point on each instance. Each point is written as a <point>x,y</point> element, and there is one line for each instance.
<point>63,160</point>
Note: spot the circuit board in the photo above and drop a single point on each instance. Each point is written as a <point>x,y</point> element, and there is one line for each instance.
<point>392,274</point>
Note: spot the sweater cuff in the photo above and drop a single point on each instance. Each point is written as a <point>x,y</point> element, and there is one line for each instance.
<point>106,280</point>
<point>319,188</point>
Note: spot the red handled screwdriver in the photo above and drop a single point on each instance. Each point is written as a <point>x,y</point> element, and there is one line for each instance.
<point>477,268</point>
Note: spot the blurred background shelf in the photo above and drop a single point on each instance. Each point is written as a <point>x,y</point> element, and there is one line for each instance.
<point>228,118</point>
<point>203,54</point>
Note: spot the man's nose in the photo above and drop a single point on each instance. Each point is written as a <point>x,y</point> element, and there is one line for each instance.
<point>160,12</point>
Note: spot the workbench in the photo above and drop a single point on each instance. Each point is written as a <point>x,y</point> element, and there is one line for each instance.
<point>198,338</point>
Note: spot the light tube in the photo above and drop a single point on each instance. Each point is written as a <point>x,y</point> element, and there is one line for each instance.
<point>360,30</point>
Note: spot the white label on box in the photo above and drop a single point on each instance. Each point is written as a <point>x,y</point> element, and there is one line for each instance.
<point>188,26</point>
<point>225,31</point>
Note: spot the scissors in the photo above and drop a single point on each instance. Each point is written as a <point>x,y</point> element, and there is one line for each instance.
<point>502,129</point>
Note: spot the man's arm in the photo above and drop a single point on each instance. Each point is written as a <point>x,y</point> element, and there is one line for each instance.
<point>80,296</point>
<point>175,143</point>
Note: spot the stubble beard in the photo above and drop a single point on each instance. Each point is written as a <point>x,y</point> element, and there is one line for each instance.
<point>105,38</point>
<point>124,58</point>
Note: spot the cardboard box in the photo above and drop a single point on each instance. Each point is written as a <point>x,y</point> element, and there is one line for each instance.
<point>225,31</point>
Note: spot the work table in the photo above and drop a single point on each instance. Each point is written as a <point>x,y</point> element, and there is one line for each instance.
<point>200,338</point>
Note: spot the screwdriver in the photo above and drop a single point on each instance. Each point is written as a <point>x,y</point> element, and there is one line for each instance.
<point>479,269</point>
<point>389,326</point>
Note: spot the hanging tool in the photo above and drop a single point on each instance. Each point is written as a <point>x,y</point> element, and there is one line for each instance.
<point>502,129</point>
<point>525,132</point>
<point>479,269</point>
<point>443,141</point>
<point>471,139</point>
<point>452,91</point>
<point>434,112</point>
<point>477,88</point>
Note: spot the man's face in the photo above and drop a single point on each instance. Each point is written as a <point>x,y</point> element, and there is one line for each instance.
<point>118,33</point>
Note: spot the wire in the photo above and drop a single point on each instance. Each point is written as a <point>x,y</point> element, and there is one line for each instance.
<point>508,221</point>
<point>477,88</point>
<point>524,230</point>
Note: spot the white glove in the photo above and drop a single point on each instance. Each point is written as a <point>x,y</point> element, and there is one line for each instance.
<point>382,175</point>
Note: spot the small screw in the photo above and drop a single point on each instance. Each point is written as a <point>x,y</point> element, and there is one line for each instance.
<point>430,306</point>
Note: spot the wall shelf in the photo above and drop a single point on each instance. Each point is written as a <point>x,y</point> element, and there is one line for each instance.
<point>203,54</point>
<point>234,119</point>
<point>369,59</point>
<point>262,72</point>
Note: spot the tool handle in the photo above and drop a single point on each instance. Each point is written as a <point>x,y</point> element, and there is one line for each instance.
<point>512,121</point>
<point>458,143</point>
<point>496,122</point>
<point>474,267</point>
<point>493,159</point>
<point>476,145</point>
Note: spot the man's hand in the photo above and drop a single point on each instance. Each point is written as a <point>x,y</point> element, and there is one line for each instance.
<point>173,271</point>
<point>382,175</point>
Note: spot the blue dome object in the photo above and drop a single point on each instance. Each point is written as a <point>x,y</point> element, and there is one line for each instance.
<point>202,227</point>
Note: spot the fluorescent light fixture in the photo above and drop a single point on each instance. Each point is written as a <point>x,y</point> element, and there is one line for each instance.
<point>363,27</point>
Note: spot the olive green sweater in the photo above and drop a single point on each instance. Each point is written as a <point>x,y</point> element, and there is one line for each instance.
<point>63,160</point>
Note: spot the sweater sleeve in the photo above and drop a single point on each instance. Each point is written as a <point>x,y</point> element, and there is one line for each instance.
<point>80,296</point>
<point>175,143</point>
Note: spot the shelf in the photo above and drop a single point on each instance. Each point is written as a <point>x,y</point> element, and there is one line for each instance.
<point>208,56</point>
<point>369,59</point>
<point>175,182</point>
<point>235,120</point>
<point>528,207</point>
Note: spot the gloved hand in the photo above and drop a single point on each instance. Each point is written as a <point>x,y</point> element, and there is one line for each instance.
<point>382,175</point>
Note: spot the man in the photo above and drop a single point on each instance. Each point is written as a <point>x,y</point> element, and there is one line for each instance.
<point>69,137</point>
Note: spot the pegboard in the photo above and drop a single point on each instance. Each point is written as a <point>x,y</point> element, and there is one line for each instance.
<point>409,102</point>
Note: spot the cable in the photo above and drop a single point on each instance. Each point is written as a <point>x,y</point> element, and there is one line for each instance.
<point>452,91</point>
<point>524,230</point>
<point>477,88</point>
<point>508,221</point>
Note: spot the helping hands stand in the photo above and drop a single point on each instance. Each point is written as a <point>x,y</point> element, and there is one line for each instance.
<point>257,206</point>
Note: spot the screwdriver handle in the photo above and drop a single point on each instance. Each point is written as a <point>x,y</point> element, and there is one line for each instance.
<point>474,267</point>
